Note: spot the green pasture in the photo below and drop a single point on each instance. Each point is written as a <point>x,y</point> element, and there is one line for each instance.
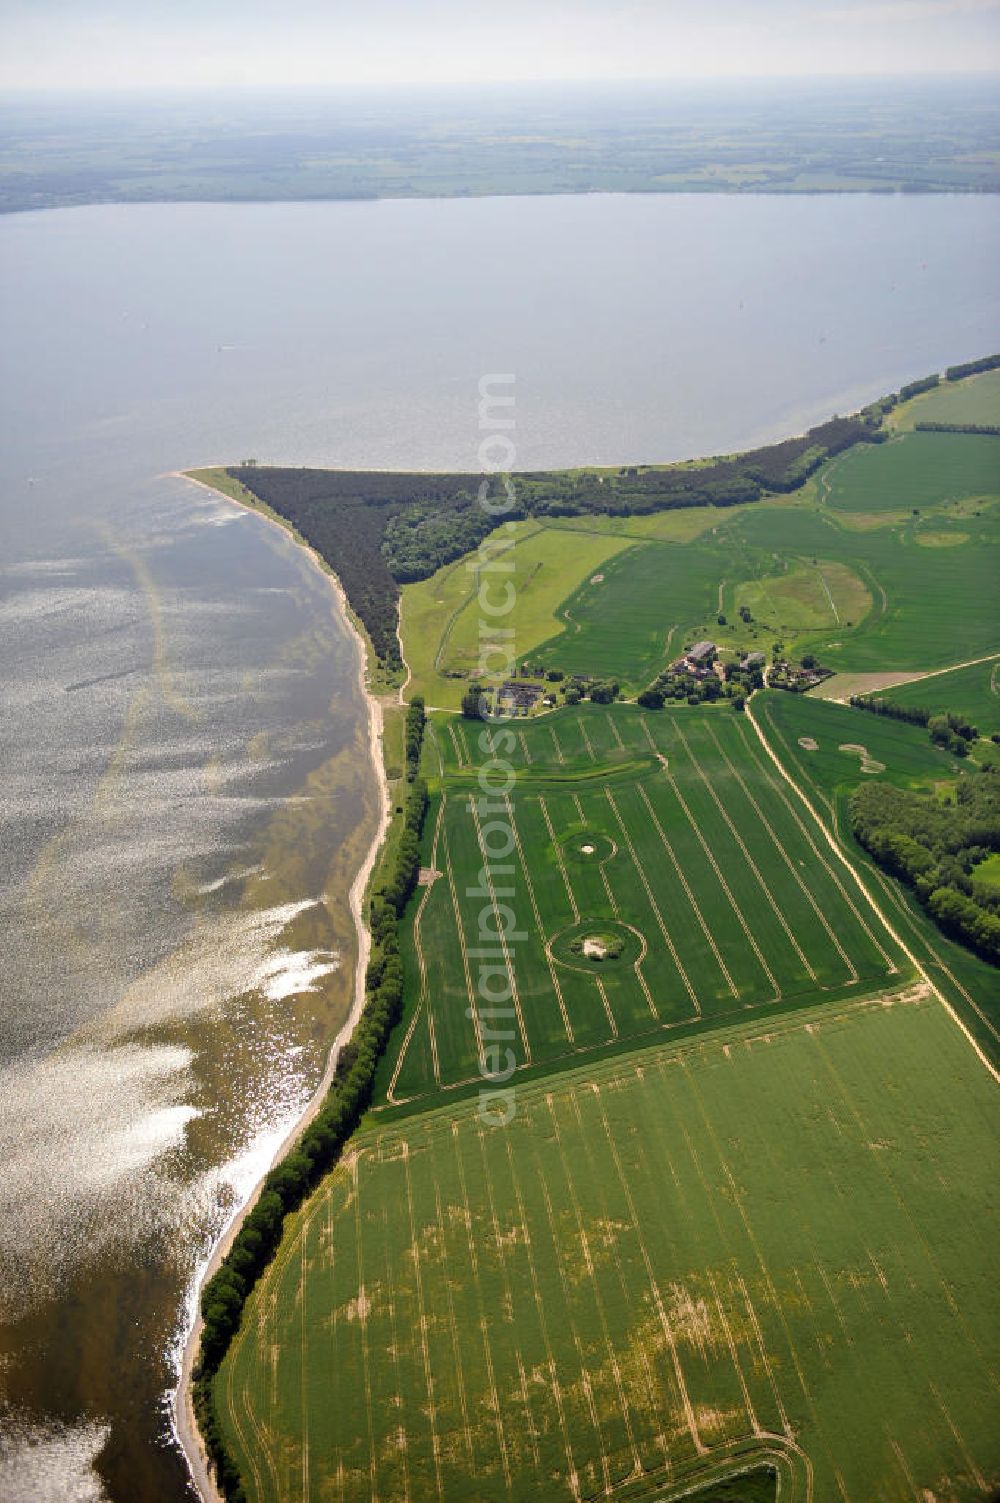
<point>976,399</point>
<point>915,470</point>
<point>973,692</point>
<point>633,620</point>
<point>775,1243</point>
<point>441,616</point>
<point>931,607</point>
<point>827,776</point>
<point>728,897</point>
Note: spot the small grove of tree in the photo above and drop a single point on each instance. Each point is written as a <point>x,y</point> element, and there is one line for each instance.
<point>319,1146</point>
<point>935,849</point>
<point>651,699</point>
<point>951,731</point>
<point>972,367</point>
<point>472,703</point>
<point>604,693</point>
<point>914,388</point>
<point>913,714</point>
<point>413,734</point>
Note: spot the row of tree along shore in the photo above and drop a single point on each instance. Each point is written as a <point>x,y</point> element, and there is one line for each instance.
<point>321,1143</point>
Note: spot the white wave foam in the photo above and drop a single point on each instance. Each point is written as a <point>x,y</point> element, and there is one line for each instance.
<point>292,973</point>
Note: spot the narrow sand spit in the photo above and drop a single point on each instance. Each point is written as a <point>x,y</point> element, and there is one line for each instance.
<point>182,1409</point>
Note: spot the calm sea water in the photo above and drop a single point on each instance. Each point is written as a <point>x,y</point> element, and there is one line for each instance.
<point>182,735</point>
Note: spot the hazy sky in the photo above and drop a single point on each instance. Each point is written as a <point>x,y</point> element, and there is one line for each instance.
<point>134,43</point>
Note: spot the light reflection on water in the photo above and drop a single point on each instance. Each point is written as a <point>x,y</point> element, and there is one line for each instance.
<point>185,794</point>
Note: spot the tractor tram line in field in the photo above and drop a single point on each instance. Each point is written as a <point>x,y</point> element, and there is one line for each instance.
<point>704,1242</point>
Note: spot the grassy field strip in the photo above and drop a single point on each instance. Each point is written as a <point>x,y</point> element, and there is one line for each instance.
<point>896,937</point>
<point>559,858</point>
<point>539,929</point>
<point>710,857</point>
<point>421,1011</point>
<point>780,849</point>
<point>657,915</point>
<point>671,1264</point>
<point>741,843</point>
<point>818,854</point>
<point>685,884</point>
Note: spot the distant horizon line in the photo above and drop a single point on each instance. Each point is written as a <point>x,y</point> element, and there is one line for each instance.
<point>13,93</point>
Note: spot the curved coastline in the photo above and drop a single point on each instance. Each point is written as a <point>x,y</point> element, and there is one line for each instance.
<point>182,1415</point>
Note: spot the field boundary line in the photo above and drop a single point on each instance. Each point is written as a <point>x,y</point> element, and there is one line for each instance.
<point>501,932</point>
<point>598,1299</point>
<point>453,1331</point>
<point>652,903</point>
<point>612,722</point>
<point>652,1388</point>
<point>682,1392</point>
<point>362,1322</point>
<point>573,1477</point>
<point>725,886</point>
<point>559,859</point>
<point>428,1375</point>
<point>779,846</point>
<point>834,875</point>
<point>469,989</point>
<point>706,930</point>
<point>585,1379</point>
<point>747,856</point>
<point>567,1025</point>
<point>908,1216</point>
<point>842,856</point>
<point>422,1005</point>
<point>884,883</point>
<point>586,740</point>
<point>483,1326</point>
<point>394,1328</point>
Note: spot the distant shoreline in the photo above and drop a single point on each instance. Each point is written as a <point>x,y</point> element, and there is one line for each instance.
<point>182,1408</point>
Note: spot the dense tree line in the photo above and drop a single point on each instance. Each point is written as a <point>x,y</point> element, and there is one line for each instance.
<point>378,529</point>
<point>346,516</point>
<point>953,732</point>
<point>290,1181</point>
<point>935,848</point>
<point>914,388</point>
<point>413,734</point>
<point>990,429</point>
<point>912,714</point>
<point>972,367</point>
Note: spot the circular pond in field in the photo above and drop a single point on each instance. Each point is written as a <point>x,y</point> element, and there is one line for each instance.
<point>587,847</point>
<point>596,945</point>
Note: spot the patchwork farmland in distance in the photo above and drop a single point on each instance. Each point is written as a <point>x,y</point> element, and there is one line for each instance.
<point>766,1243</point>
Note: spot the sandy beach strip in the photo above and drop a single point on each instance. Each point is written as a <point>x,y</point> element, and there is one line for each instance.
<point>182,1407</point>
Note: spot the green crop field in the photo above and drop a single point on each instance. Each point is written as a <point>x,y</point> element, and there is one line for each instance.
<point>916,470</point>
<point>772,1243</point>
<point>672,829</point>
<point>737,1241</point>
<point>808,735</point>
<point>629,620</point>
<point>931,607</point>
<point>973,691</point>
<point>974,400</point>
